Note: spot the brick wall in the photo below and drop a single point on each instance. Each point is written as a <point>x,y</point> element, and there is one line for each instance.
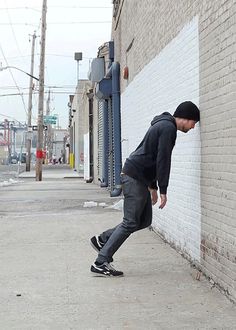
<point>152,92</point>
<point>218,134</point>
<point>179,50</point>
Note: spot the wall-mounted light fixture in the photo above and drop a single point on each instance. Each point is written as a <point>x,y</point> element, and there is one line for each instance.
<point>126,72</point>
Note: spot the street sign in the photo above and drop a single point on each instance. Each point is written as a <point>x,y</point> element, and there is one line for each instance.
<point>52,122</point>
<point>54,117</point>
<point>35,128</point>
<point>50,119</point>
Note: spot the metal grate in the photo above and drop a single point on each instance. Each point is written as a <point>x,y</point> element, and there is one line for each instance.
<point>111,163</point>
<point>100,138</point>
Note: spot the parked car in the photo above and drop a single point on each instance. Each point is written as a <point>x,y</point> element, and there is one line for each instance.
<point>22,157</point>
<point>14,159</point>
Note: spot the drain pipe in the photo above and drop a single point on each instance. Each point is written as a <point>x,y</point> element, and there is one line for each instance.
<point>115,72</point>
<point>91,164</point>
<point>104,182</point>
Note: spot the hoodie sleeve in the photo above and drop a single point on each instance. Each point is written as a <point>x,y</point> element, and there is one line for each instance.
<point>163,162</point>
<point>153,185</point>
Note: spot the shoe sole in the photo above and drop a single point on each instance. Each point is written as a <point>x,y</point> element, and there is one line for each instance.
<point>97,273</point>
<point>104,275</point>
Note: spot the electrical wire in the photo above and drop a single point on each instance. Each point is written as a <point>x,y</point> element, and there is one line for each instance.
<point>66,7</point>
<point>22,98</point>
<point>16,8</point>
<point>13,32</point>
<point>60,23</point>
<point>3,115</point>
<point>35,93</point>
<point>48,86</point>
<point>48,54</point>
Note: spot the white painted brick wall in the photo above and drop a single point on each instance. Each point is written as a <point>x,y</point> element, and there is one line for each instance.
<point>152,25</point>
<point>170,78</point>
<point>218,129</point>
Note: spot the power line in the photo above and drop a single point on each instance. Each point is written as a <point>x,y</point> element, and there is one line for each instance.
<point>12,87</point>
<point>48,86</point>
<point>60,23</point>
<point>26,24</point>
<point>13,94</point>
<point>65,7</point>
<point>13,57</point>
<point>13,32</point>
<point>35,93</point>
<point>48,54</point>
<point>13,8</point>
<point>22,98</point>
<point>3,115</point>
<point>86,7</point>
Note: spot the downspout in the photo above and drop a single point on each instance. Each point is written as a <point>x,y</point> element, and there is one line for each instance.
<point>91,169</point>
<point>104,182</point>
<point>115,72</point>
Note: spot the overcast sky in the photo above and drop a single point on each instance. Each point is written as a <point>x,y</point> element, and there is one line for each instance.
<point>65,35</point>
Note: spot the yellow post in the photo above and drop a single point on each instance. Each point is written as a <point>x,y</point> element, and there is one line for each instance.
<point>72,160</point>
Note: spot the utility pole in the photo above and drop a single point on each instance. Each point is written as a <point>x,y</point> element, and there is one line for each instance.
<point>28,154</point>
<point>48,131</point>
<point>39,153</point>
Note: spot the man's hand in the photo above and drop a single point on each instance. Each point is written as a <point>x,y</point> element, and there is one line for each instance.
<point>163,201</point>
<point>154,196</point>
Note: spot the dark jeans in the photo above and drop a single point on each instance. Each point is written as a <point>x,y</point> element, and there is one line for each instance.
<point>137,215</point>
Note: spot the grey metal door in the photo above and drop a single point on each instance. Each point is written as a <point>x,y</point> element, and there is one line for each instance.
<point>100,139</point>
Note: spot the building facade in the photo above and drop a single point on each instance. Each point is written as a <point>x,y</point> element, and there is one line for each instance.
<point>169,52</point>
<point>79,129</point>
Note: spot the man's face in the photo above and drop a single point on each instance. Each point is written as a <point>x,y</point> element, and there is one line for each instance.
<point>187,124</point>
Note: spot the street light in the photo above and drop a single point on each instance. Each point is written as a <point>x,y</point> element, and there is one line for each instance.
<point>14,67</point>
<point>78,57</point>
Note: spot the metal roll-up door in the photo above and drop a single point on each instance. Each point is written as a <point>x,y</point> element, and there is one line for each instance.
<point>100,139</point>
<point>111,165</point>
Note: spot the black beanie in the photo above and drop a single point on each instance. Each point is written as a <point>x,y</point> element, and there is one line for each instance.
<point>187,110</point>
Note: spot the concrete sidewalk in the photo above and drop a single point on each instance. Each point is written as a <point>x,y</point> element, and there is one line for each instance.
<point>52,172</point>
<point>45,257</point>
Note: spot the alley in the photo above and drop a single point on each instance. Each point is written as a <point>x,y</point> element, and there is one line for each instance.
<point>45,257</point>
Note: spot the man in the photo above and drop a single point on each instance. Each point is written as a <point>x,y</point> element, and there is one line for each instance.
<point>148,165</point>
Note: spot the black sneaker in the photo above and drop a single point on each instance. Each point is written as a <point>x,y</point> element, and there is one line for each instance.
<point>96,243</point>
<point>105,270</point>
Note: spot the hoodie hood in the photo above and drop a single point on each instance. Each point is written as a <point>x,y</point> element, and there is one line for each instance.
<point>163,116</point>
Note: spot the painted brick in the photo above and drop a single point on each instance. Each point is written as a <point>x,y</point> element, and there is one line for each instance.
<point>180,56</point>
<point>187,50</point>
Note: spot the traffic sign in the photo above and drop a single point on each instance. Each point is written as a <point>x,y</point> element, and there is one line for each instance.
<point>54,117</point>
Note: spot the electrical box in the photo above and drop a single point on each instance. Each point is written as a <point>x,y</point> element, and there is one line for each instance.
<point>97,70</point>
<point>104,89</point>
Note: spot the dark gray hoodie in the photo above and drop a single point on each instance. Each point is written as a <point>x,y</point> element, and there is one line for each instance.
<point>150,162</point>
